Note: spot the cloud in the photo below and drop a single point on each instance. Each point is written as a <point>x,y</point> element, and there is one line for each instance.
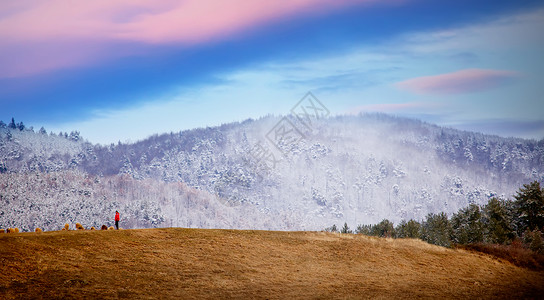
<point>459,82</point>
<point>66,29</point>
<point>531,129</point>
<point>387,107</point>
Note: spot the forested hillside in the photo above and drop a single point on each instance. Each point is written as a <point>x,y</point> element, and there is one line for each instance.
<point>355,169</point>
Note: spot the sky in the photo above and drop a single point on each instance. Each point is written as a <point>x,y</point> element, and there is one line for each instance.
<point>124,70</point>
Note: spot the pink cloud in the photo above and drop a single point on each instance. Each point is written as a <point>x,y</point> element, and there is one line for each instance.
<point>463,81</point>
<point>70,27</point>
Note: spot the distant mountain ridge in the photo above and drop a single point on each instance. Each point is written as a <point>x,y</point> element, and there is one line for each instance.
<point>355,169</point>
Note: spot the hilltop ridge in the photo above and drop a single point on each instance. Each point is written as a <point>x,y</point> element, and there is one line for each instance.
<point>354,169</point>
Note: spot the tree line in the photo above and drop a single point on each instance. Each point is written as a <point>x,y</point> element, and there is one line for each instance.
<point>497,222</point>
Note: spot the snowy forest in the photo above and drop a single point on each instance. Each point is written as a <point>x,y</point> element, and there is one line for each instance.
<point>275,173</point>
<point>498,222</point>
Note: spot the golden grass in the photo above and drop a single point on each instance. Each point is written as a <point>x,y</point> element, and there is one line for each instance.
<point>195,263</point>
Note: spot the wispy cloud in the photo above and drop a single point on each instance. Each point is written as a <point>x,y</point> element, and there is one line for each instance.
<point>459,82</point>
<point>68,28</point>
<point>505,127</point>
<point>389,107</point>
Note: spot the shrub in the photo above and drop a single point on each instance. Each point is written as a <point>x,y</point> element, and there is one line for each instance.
<point>1,230</point>
<point>79,227</point>
<point>66,226</point>
<point>104,227</point>
<point>533,240</point>
<point>39,230</point>
<point>514,253</point>
<point>16,230</point>
<point>111,228</point>
<point>92,228</point>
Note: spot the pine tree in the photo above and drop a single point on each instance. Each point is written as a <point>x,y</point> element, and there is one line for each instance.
<point>12,124</point>
<point>363,229</point>
<point>383,229</point>
<point>436,230</point>
<point>497,222</point>
<point>530,206</point>
<point>410,229</point>
<point>346,229</point>
<point>332,228</point>
<point>536,242</point>
<point>466,225</point>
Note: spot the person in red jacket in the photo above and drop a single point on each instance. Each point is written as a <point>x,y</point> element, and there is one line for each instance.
<point>117,220</point>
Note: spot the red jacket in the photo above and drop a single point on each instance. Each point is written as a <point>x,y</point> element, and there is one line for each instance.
<point>116,216</point>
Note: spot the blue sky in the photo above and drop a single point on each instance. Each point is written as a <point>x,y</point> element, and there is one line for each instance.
<point>124,71</point>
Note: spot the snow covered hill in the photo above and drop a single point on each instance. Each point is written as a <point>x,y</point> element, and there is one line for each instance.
<point>275,172</point>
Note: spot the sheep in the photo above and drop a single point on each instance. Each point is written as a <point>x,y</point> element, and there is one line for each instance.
<point>92,228</point>
<point>111,228</point>
<point>104,227</point>
<point>39,230</point>
<point>79,227</point>
<point>66,226</point>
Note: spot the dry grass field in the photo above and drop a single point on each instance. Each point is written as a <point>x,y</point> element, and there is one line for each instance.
<point>195,263</point>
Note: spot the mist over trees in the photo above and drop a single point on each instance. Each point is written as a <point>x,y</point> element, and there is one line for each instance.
<point>354,169</point>
<point>497,222</point>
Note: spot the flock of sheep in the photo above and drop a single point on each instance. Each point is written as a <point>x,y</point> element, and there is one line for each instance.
<point>66,227</point>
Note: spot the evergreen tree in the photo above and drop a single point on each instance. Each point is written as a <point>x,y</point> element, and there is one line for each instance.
<point>74,136</point>
<point>436,230</point>
<point>497,221</point>
<point>410,229</point>
<point>466,226</point>
<point>12,124</point>
<point>530,206</point>
<point>383,229</point>
<point>533,240</point>
<point>2,124</point>
<point>536,244</point>
<point>332,228</point>
<point>346,229</point>
<point>43,131</point>
<point>363,229</point>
